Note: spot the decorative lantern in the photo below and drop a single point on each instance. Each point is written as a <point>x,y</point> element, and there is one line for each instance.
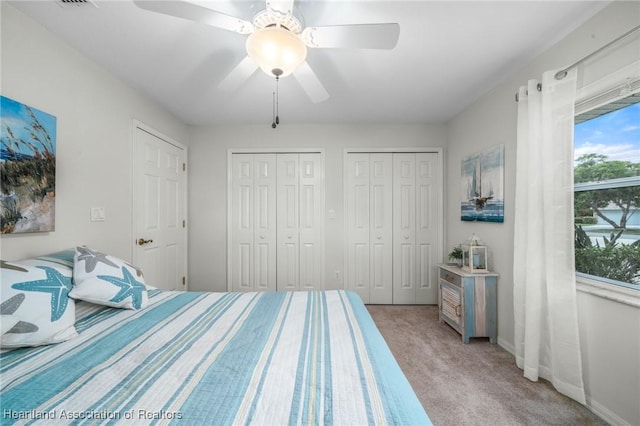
<point>474,255</point>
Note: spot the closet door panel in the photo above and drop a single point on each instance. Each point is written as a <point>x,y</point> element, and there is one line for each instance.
<point>428,218</point>
<point>265,222</point>
<point>242,222</point>
<point>381,228</point>
<point>288,210</point>
<point>276,221</point>
<point>311,215</point>
<point>404,238</point>
<point>393,223</point>
<point>357,217</point>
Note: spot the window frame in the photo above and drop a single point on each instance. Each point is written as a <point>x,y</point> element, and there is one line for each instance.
<point>617,85</point>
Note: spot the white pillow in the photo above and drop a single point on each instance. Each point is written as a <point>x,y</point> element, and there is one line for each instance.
<point>35,308</point>
<point>107,280</point>
<point>7,322</point>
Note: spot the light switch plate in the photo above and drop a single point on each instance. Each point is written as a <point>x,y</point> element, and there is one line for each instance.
<point>97,214</point>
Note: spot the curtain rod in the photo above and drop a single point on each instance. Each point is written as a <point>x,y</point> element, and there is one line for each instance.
<point>563,72</point>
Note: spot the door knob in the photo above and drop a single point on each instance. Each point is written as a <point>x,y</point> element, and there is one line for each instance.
<point>142,241</point>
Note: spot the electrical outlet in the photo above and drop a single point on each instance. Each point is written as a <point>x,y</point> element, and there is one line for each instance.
<point>337,275</point>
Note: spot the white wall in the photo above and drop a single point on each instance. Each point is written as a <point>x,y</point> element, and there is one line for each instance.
<point>208,183</point>
<point>94,113</point>
<point>609,330</point>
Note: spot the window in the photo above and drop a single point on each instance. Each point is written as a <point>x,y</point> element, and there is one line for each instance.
<point>607,192</point>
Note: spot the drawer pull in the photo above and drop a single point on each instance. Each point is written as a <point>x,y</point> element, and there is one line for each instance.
<point>458,310</point>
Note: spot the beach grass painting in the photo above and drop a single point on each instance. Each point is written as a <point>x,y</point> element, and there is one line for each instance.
<point>483,186</point>
<point>27,168</point>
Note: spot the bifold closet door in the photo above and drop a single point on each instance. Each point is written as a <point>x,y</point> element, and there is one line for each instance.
<point>415,231</point>
<point>369,200</point>
<point>428,224</point>
<point>404,237</point>
<point>253,222</point>
<point>391,211</point>
<point>277,223</point>
<point>300,221</point>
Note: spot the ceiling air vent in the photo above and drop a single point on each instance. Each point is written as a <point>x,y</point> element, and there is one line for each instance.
<point>70,3</point>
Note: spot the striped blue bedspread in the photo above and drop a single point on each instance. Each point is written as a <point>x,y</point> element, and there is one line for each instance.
<point>214,358</point>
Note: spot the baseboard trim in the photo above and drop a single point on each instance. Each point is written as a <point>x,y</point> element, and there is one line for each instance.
<point>507,346</point>
<point>604,413</point>
<point>598,409</point>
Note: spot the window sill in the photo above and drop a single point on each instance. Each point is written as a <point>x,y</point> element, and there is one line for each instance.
<point>627,296</point>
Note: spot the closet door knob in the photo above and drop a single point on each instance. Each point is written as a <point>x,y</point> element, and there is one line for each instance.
<point>379,237</point>
<point>289,236</point>
<point>406,237</point>
<point>262,237</point>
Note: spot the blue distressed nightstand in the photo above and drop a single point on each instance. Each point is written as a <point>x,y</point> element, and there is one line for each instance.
<point>468,302</point>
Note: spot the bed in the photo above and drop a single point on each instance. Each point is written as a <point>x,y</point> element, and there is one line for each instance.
<point>214,358</point>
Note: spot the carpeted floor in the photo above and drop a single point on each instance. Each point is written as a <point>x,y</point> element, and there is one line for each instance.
<point>474,384</point>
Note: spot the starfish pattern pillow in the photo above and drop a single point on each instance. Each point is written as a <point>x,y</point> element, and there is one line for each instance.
<point>36,308</point>
<point>107,280</point>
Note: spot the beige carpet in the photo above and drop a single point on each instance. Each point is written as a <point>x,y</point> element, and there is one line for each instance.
<point>474,384</point>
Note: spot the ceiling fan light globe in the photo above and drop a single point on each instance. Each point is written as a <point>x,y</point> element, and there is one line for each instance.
<point>276,48</point>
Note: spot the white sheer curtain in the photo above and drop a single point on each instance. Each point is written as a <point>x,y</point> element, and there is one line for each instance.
<point>547,343</point>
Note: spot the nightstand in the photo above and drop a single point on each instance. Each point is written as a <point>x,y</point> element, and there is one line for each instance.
<point>468,302</point>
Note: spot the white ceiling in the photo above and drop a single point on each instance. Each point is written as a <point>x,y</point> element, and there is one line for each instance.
<point>449,54</point>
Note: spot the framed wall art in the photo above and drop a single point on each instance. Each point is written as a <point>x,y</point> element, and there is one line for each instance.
<point>27,168</point>
<point>483,186</point>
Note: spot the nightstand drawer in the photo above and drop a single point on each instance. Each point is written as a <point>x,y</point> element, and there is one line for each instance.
<point>450,277</point>
<point>451,303</point>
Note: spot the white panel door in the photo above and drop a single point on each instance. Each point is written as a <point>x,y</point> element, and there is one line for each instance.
<point>253,224</point>
<point>357,211</point>
<point>404,238</point>
<point>159,209</point>
<point>427,223</point>
<point>311,221</point>
<point>288,223</point>
<point>265,175</point>
<point>242,223</point>
<point>369,215</point>
<point>381,228</point>
<point>276,221</point>
<point>394,226</point>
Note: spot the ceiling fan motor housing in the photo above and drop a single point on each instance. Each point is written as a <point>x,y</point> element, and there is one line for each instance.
<point>267,18</point>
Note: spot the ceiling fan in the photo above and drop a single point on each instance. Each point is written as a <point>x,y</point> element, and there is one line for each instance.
<point>278,42</point>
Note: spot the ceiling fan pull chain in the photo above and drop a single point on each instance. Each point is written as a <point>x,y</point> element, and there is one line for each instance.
<point>277,100</point>
<point>273,111</point>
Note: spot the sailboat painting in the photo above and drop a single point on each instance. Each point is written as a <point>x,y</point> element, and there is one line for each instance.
<point>483,186</point>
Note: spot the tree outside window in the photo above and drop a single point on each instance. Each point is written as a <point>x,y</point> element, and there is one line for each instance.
<point>607,197</point>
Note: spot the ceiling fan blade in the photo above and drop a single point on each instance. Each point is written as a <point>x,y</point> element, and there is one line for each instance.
<point>197,13</point>
<point>311,83</point>
<point>238,75</point>
<point>357,36</point>
<point>281,7</point>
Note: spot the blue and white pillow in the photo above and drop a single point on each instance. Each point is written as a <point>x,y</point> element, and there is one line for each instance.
<point>36,308</point>
<point>63,257</point>
<point>107,280</point>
